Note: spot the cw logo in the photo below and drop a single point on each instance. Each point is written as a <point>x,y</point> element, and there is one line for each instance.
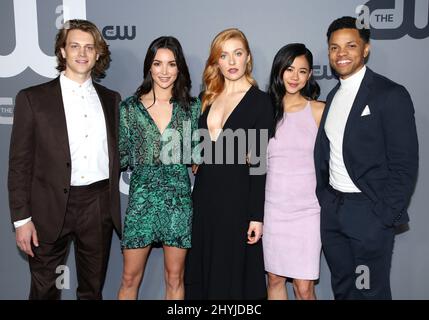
<point>393,19</point>
<point>26,35</point>
<point>322,72</point>
<point>113,33</point>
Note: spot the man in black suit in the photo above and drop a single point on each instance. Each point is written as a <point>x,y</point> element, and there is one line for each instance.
<point>366,159</point>
<point>64,167</point>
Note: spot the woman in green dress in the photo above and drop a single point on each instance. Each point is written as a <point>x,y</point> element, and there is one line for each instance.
<point>155,142</point>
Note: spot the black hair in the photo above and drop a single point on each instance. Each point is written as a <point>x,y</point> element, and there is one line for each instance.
<point>276,89</point>
<point>348,22</point>
<point>182,85</point>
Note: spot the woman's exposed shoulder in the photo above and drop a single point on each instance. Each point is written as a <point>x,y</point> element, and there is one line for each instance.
<point>317,105</point>
<point>317,108</point>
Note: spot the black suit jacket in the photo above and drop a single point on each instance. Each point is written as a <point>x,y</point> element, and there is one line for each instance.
<point>39,157</point>
<point>380,150</point>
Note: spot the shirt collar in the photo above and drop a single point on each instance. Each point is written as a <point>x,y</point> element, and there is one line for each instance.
<point>68,84</point>
<point>354,81</point>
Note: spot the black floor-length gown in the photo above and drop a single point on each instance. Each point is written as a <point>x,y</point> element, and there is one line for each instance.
<point>220,264</point>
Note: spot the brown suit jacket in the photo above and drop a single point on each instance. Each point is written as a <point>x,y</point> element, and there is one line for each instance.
<point>39,158</point>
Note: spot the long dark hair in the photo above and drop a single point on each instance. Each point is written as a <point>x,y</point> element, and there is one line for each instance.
<point>182,85</point>
<point>283,60</point>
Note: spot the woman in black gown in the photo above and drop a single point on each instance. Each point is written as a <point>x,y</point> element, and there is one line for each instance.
<point>226,259</point>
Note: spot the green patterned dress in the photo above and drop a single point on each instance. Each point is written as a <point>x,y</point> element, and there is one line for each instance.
<point>159,204</point>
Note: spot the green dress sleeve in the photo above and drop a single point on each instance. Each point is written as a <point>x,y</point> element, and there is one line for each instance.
<point>125,144</point>
<point>195,116</point>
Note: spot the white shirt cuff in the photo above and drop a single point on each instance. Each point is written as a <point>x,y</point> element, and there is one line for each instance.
<point>20,223</point>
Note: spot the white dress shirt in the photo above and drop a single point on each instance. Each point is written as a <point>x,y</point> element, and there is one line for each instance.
<point>335,125</point>
<point>87,135</point>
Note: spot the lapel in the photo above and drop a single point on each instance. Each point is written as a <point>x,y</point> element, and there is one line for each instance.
<point>321,138</point>
<point>109,117</point>
<point>358,104</point>
<point>59,124</point>
<point>328,105</point>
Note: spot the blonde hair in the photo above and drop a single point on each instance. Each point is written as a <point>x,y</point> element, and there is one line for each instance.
<point>212,76</point>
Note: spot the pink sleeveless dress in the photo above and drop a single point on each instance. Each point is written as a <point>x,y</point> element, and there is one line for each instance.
<point>291,231</point>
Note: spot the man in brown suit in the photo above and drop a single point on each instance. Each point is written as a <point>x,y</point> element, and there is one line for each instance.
<point>64,168</point>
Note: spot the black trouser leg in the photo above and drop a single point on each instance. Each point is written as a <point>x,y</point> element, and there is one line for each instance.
<point>356,244</point>
<point>93,234</point>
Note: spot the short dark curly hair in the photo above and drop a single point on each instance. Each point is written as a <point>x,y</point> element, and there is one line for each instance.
<point>348,22</point>
<point>103,62</point>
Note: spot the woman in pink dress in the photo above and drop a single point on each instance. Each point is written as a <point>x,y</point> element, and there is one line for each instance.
<point>291,239</point>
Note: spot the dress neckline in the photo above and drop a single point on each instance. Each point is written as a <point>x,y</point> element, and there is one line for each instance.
<point>151,118</point>
<point>230,115</point>
<point>307,105</point>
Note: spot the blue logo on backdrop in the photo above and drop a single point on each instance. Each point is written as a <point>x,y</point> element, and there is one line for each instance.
<point>322,72</point>
<point>115,33</point>
<point>393,19</point>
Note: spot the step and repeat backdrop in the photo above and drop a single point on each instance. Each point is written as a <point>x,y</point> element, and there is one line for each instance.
<point>400,47</point>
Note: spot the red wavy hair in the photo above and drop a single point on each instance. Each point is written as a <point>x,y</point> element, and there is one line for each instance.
<point>212,77</point>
